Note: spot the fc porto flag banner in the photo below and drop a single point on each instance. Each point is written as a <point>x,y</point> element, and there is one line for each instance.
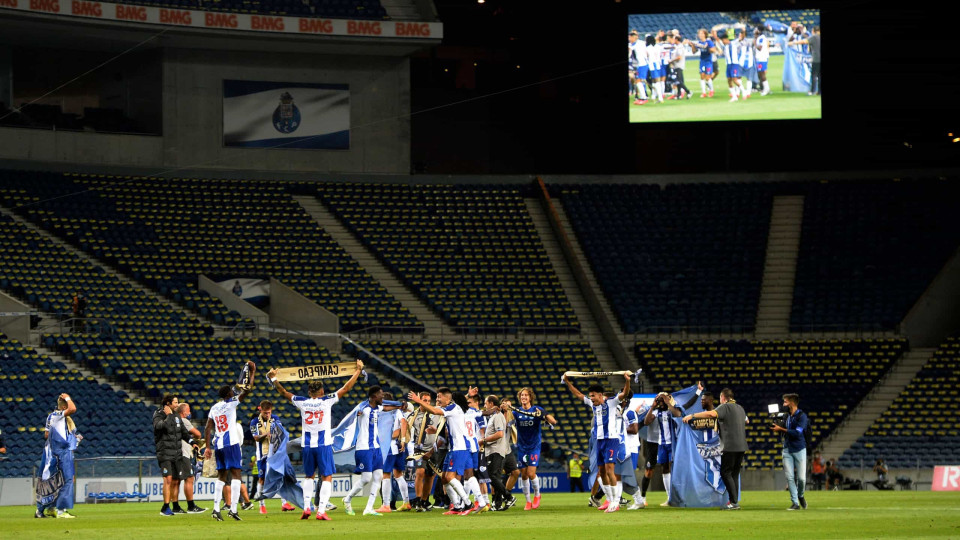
<point>796,69</point>
<point>696,479</point>
<point>263,114</point>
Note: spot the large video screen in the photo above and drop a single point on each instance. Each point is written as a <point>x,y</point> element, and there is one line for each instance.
<point>724,66</point>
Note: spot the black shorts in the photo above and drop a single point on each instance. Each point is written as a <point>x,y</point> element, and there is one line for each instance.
<point>186,468</point>
<point>174,469</point>
<point>650,450</point>
<point>510,463</point>
<point>481,472</point>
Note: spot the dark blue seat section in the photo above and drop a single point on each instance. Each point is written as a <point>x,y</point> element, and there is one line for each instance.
<point>868,250</point>
<point>471,253</point>
<point>687,23</point>
<point>336,9</point>
<point>918,429</point>
<point>112,423</point>
<point>683,256</point>
<point>831,376</point>
<point>164,233</point>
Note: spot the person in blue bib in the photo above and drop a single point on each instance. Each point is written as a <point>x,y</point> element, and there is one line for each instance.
<point>529,417</point>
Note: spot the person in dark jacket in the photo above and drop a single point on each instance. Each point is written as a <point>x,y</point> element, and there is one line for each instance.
<point>794,450</point>
<point>168,432</point>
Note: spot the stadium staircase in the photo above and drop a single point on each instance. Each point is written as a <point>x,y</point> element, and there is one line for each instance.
<point>876,402</point>
<point>588,327</point>
<point>780,268</point>
<point>433,326</point>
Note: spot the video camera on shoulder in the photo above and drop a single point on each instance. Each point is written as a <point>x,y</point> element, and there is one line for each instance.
<point>776,416</point>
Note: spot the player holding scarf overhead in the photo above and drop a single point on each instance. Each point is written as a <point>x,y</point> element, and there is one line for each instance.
<point>529,416</point>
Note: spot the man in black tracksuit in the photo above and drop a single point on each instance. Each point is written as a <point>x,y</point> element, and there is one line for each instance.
<point>168,431</point>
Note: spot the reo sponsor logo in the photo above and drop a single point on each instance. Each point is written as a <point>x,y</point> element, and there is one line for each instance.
<point>51,6</point>
<point>316,26</point>
<point>260,22</point>
<point>175,16</point>
<point>946,478</point>
<point>131,13</point>
<point>413,29</point>
<point>91,9</point>
<point>366,28</point>
<point>219,20</point>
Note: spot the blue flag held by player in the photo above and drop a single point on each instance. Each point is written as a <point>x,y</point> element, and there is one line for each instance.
<point>696,479</point>
<point>280,477</point>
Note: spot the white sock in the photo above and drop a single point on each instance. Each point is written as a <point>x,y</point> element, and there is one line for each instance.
<point>358,487</point>
<point>217,494</point>
<point>643,90</point>
<point>663,89</point>
<point>617,492</point>
<point>458,489</point>
<point>377,478</point>
<point>325,489</point>
<point>404,490</point>
<point>307,486</point>
<point>525,486</point>
<point>749,87</point>
<point>452,495</point>
<point>703,86</point>
<point>766,86</point>
<point>386,490</point>
<point>282,501</point>
<point>710,85</point>
<point>234,495</point>
<point>608,493</point>
<point>536,486</point>
<point>666,484</point>
<point>474,486</point>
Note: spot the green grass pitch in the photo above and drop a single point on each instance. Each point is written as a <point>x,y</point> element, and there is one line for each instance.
<point>779,105</point>
<point>832,514</point>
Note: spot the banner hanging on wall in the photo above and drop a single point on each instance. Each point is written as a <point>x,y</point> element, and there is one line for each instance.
<point>263,114</point>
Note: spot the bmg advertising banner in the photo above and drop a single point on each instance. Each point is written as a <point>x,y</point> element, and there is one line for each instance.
<point>261,114</point>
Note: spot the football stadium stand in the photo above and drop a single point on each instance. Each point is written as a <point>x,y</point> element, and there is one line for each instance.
<point>471,252</point>
<point>686,23</point>
<point>855,238</point>
<point>911,433</point>
<point>679,257</point>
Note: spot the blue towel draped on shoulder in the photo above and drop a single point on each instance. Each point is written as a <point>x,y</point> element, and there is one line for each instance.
<point>280,477</point>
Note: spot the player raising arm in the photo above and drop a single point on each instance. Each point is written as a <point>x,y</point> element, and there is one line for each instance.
<point>220,420</point>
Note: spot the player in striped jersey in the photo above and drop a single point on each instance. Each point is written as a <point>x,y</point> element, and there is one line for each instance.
<point>367,453</point>
<point>221,423</point>
<point>747,57</point>
<point>457,461</point>
<point>608,434</point>
<point>637,67</point>
<point>315,413</point>
<point>476,426</point>
<point>762,56</point>
<point>653,62</point>
<point>660,414</point>
<point>733,53</point>
<point>395,464</point>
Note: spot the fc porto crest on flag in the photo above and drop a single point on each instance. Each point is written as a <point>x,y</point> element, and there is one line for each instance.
<point>286,117</point>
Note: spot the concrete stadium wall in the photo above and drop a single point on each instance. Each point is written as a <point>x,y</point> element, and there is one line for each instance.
<point>192,82</point>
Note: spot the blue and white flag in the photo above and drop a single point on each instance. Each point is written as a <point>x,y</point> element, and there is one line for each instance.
<point>796,69</point>
<point>696,479</point>
<point>280,476</point>
<point>345,434</point>
<point>286,115</point>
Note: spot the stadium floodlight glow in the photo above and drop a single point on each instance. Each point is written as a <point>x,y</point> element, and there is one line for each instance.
<point>956,139</point>
<point>481,1</point>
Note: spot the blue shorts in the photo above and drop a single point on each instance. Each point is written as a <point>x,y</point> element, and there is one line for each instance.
<point>657,73</point>
<point>607,450</point>
<point>318,459</point>
<point>733,71</point>
<point>664,454</point>
<point>642,72</point>
<point>457,461</point>
<point>261,468</point>
<point>706,67</point>
<point>368,460</point>
<point>475,460</point>
<point>529,457</point>
<point>395,462</point>
<point>635,457</point>
<point>761,66</point>
<point>229,457</point>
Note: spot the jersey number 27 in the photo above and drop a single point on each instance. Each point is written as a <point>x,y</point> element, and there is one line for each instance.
<point>313,415</point>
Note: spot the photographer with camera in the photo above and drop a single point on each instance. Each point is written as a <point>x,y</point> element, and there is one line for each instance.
<point>792,428</point>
